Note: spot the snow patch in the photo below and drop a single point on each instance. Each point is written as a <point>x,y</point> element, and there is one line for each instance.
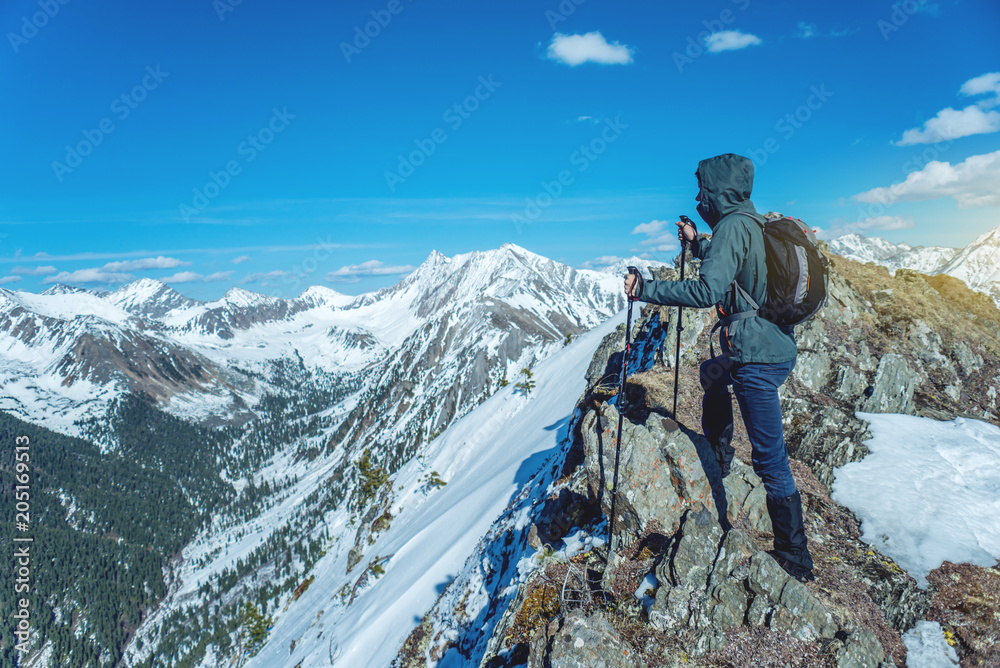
<point>926,647</point>
<point>928,492</point>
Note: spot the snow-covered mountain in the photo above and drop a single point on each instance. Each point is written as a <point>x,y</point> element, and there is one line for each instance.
<point>926,260</point>
<point>66,353</point>
<point>977,265</point>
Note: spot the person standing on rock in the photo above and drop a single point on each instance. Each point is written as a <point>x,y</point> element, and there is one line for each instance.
<point>757,355</point>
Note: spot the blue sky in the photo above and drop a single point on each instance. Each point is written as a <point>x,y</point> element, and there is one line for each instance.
<point>273,146</point>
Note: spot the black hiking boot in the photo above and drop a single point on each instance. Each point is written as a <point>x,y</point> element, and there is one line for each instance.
<point>798,572</point>
<point>791,549</point>
<point>724,451</point>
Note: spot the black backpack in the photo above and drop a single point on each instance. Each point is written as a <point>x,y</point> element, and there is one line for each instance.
<point>797,275</point>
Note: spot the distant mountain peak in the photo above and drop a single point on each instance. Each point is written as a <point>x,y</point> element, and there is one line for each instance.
<point>62,289</point>
<point>237,296</point>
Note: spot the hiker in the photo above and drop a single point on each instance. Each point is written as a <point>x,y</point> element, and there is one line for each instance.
<point>757,355</point>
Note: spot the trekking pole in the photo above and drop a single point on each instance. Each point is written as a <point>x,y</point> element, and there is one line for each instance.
<point>680,314</point>
<point>621,413</point>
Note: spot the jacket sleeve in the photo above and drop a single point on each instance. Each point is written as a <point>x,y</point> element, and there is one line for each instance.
<point>719,265</point>
<point>700,246</point>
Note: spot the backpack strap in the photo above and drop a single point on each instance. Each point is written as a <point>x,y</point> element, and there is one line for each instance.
<point>729,319</point>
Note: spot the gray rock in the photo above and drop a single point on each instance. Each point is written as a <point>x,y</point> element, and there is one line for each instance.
<point>860,650</point>
<point>611,344</point>
<point>745,492</point>
<point>926,344</point>
<point>695,556</point>
<point>584,641</point>
<point>660,473</point>
<point>809,618</point>
<point>826,437</point>
<point>812,369</point>
<point>968,361</point>
<point>894,385</point>
<point>850,384</point>
<point>766,578</point>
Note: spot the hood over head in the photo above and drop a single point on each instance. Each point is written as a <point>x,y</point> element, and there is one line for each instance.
<point>724,183</point>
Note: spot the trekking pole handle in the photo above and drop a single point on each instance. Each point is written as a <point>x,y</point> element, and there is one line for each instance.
<point>687,221</point>
<point>638,277</point>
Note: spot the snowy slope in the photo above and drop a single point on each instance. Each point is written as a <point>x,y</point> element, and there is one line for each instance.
<point>927,492</point>
<point>485,458</point>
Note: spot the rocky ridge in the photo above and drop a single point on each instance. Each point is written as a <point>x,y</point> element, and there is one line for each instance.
<point>914,344</point>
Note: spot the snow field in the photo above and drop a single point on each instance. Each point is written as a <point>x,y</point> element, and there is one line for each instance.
<point>928,492</point>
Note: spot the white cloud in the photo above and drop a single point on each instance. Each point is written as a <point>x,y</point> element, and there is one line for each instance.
<point>661,235</point>
<point>240,259</point>
<point>352,272</point>
<point>840,228</point>
<point>9,279</point>
<point>972,183</point>
<point>984,83</point>
<point>949,123</point>
<point>730,40</point>
<point>952,124</point>
<point>263,277</point>
<point>87,276</point>
<point>145,263</point>
<point>193,277</point>
<point>601,262</point>
<point>575,50</point>
<point>183,277</point>
<point>650,228</point>
<point>34,271</point>
<point>806,30</point>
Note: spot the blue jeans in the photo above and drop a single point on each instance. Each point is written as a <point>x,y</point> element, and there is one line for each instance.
<point>756,389</point>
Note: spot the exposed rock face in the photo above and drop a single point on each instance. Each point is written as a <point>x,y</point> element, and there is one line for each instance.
<point>661,473</point>
<point>579,640</point>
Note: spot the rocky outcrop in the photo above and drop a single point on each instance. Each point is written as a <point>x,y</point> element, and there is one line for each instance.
<point>712,594</point>
<point>581,640</point>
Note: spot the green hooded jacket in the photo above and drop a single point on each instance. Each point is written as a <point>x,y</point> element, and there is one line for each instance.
<point>735,251</point>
